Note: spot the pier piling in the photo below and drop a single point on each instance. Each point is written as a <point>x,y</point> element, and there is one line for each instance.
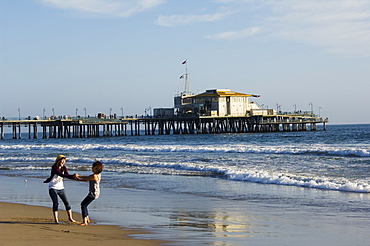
<point>87,128</point>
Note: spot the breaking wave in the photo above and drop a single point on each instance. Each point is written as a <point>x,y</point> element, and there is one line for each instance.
<point>355,151</point>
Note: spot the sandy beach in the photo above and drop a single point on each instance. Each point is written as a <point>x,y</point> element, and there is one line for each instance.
<point>33,225</point>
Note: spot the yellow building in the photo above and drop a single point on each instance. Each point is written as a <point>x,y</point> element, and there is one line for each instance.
<point>216,102</point>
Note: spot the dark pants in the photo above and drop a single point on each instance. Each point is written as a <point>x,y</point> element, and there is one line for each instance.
<point>84,205</point>
<point>54,197</point>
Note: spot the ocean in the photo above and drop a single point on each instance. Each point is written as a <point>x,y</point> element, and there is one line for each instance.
<point>284,188</point>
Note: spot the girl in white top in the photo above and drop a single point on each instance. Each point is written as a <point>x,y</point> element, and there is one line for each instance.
<point>94,189</point>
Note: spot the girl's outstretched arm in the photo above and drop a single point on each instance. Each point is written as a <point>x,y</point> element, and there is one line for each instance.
<point>63,173</point>
<point>86,178</point>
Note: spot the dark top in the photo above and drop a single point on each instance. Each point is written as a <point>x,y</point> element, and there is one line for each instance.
<point>63,172</point>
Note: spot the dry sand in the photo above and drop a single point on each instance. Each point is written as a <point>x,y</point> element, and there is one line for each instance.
<point>32,225</point>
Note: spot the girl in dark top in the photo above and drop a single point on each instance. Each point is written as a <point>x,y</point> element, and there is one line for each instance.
<point>56,186</point>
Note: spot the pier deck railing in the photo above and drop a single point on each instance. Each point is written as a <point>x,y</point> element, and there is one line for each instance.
<point>94,127</point>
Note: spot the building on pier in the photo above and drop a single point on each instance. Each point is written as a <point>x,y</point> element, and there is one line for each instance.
<point>217,102</point>
<point>164,112</point>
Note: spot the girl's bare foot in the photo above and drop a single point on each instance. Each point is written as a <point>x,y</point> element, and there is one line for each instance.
<point>85,221</point>
<point>72,220</point>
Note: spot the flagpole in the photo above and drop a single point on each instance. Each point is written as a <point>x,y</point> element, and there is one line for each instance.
<point>186,78</point>
<point>187,90</point>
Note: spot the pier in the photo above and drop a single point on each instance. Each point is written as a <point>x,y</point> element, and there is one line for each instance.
<point>215,111</point>
<point>94,127</point>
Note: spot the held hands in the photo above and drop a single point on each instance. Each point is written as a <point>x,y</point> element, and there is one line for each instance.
<point>76,176</point>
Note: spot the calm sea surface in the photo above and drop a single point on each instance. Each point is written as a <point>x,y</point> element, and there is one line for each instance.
<point>227,189</point>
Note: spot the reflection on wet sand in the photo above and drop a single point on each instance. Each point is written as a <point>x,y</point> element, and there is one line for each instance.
<point>220,224</point>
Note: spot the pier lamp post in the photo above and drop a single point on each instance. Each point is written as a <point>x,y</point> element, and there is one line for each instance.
<point>19,113</point>
<point>320,111</point>
<point>85,111</point>
<point>110,113</point>
<point>148,112</point>
<point>53,112</point>
<point>122,111</point>
<point>43,113</point>
<point>311,104</point>
<point>76,112</point>
<point>278,107</point>
<point>295,108</point>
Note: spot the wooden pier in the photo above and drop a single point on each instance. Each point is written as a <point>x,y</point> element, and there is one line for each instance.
<point>88,127</point>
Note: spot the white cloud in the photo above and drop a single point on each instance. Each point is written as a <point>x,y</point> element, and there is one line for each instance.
<point>118,8</point>
<point>235,34</point>
<point>340,26</point>
<point>175,20</point>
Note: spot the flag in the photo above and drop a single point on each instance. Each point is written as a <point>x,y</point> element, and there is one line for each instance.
<point>182,76</point>
<point>184,62</point>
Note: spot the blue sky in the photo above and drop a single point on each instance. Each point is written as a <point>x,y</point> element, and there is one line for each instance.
<point>103,54</point>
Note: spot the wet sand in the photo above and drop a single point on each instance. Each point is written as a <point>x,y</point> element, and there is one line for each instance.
<point>33,225</point>
<point>277,215</point>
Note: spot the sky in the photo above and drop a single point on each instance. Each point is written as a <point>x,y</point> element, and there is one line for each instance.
<point>125,56</point>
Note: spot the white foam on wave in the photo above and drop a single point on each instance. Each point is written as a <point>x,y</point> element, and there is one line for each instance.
<point>266,177</point>
<point>237,173</point>
<point>319,149</point>
<point>20,162</point>
<point>247,174</point>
